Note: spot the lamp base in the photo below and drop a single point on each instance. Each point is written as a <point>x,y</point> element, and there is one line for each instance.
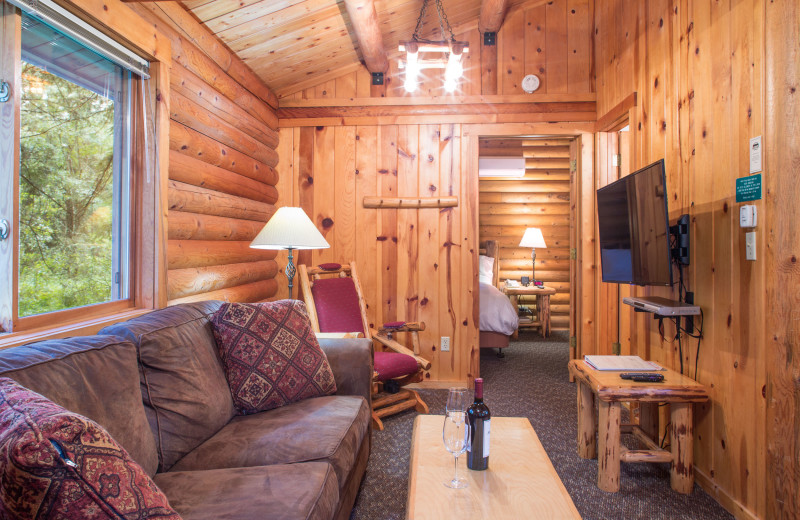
<point>290,272</point>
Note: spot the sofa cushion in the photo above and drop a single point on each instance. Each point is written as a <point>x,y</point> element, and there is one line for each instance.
<point>279,492</point>
<point>329,429</point>
<point>58,464</point>
<point>95,376</point>
<point>184,389</point>
<point>270,354</point>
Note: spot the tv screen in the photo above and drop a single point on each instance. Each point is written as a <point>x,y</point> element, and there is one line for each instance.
<point>634,228</point>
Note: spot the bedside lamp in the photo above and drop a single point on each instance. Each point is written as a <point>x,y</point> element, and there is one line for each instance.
<point>532,238</point>
<point>289,228</point>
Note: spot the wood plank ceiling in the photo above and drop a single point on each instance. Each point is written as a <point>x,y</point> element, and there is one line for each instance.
<point>291,42</point>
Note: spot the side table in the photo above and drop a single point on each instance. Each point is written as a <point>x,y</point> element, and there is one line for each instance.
<point>542,294</point>
<point>680,391</point>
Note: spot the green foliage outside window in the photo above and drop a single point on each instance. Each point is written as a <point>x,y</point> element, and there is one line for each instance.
<point>66,176</point>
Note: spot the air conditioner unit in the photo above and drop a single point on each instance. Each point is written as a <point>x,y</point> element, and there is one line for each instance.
<point>501,166</point>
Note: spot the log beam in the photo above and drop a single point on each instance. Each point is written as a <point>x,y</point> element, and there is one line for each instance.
<point>251,292</point>
<point>199,280</point>
<point>194,199</point>
<point>492,14</point>
<point>364,20</point>
<point>184,254</point>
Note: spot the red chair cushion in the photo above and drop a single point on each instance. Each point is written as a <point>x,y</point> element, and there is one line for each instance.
<point>393,324</point>
<point>270,354</point>
<point>329,266</point>
<point>390,365</point>
<point>336,300</point>
<point>57,464</point>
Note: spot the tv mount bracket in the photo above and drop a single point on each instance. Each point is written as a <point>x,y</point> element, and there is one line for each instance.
<point>680,240</point>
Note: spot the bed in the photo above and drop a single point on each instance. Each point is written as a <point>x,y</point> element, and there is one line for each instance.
<point>498,319</point>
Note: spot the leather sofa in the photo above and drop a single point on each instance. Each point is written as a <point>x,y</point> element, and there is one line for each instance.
<point>157,385</point>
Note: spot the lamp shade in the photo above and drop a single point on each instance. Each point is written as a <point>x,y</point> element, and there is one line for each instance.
<point>289,228</point>
<point>532,238</point>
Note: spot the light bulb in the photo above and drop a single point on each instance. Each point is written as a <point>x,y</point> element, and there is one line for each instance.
<point>453,70</point>
<point>412,69</point>
<point>411,83</point>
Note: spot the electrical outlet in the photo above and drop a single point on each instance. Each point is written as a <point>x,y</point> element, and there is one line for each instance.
<point>444,345</point>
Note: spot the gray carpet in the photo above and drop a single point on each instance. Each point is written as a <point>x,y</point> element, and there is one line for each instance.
<point>532,381</point>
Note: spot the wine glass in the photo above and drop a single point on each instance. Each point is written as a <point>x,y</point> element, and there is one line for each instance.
<point>455,431</point>
<point>457,400</point>
<point>455,434</point>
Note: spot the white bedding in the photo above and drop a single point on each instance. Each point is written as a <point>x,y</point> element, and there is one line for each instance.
<point>497,313</point>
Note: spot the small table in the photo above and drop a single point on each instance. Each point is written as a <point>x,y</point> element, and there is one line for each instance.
<point>610,390</point>
<point>542,294</point>
<point>520,482</point>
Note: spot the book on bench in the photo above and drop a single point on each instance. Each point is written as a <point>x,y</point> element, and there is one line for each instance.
<point>629,363</point>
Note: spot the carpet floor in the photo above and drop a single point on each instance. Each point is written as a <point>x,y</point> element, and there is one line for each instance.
<point>532,381</point>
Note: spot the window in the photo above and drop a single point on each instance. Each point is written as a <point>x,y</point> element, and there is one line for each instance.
<point>76,170</point>
<point>74,187</point>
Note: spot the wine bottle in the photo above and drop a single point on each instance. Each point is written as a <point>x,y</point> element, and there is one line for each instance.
<point>479,417</point>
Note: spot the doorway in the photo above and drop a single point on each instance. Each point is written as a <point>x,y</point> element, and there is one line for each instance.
<point>525,184</point>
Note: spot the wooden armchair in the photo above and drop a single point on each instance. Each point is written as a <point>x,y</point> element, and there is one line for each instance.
<point>336,304</point>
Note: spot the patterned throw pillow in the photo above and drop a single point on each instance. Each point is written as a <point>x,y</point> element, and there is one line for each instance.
<point>57,464</point>
<point>270,354</point>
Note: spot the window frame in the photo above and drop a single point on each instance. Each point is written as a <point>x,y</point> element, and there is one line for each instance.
<point>147,268</point>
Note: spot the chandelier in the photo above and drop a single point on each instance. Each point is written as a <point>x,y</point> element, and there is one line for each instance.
<point>448,52</point>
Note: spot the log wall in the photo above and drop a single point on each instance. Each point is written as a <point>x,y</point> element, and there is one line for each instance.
<point>710,76</point>
<point>223,138</point>
<point>539,199</point>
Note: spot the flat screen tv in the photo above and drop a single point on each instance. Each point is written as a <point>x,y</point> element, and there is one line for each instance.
<point>634,228</point>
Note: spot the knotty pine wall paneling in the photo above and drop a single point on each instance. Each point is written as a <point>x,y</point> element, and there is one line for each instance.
<point>409,260</point>
<point>222,176</point>
<point>422,264</point>
<point>539,199</point>
<point>710,76</point>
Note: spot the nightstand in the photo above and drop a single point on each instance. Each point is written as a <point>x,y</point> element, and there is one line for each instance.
<point>542,294</point>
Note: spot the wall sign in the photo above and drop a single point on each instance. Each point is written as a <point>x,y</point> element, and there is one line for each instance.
<point>755,154</point>
<point>748,188</point>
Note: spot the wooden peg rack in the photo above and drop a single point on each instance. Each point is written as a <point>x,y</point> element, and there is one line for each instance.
<point>410,202</point>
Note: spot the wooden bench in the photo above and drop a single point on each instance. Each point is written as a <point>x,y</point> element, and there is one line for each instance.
<point>680,391</point>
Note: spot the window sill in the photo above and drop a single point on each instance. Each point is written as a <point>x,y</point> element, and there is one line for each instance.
<point>69,329</point>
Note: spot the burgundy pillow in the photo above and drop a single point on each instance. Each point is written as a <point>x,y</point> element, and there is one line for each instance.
<point>57,464</point>
<point>270,354</point>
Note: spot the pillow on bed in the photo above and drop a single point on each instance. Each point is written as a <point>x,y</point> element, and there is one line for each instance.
<point>486,269</point>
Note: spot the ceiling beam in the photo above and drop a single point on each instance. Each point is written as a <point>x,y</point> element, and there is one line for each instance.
<point>492,14</point>
<point>364,20</point>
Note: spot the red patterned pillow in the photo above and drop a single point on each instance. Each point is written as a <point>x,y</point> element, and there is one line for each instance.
<point>270,354</point>
<point>57,464</point>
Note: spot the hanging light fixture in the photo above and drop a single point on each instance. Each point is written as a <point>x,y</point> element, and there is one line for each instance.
<point>450,52</point>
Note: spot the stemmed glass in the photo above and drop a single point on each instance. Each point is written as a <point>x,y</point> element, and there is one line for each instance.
<point>455,431</point>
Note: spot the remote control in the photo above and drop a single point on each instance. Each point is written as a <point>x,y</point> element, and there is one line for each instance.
<point>644,377</point>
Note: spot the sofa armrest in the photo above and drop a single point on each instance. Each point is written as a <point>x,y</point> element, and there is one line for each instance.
<point>351,363</point>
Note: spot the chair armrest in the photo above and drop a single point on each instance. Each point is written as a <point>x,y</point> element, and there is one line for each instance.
<point>397,347</point>
<point>351,363</point>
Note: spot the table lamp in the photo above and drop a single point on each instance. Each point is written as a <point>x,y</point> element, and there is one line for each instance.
<point>532,238</point>
<point>289,228</point>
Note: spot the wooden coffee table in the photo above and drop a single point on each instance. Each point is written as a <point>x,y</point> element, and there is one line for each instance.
<point>520,482</point>
<point>542,294</point>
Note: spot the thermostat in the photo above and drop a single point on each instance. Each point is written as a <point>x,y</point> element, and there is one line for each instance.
<point>748,216</point>
<point>530,83</point>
